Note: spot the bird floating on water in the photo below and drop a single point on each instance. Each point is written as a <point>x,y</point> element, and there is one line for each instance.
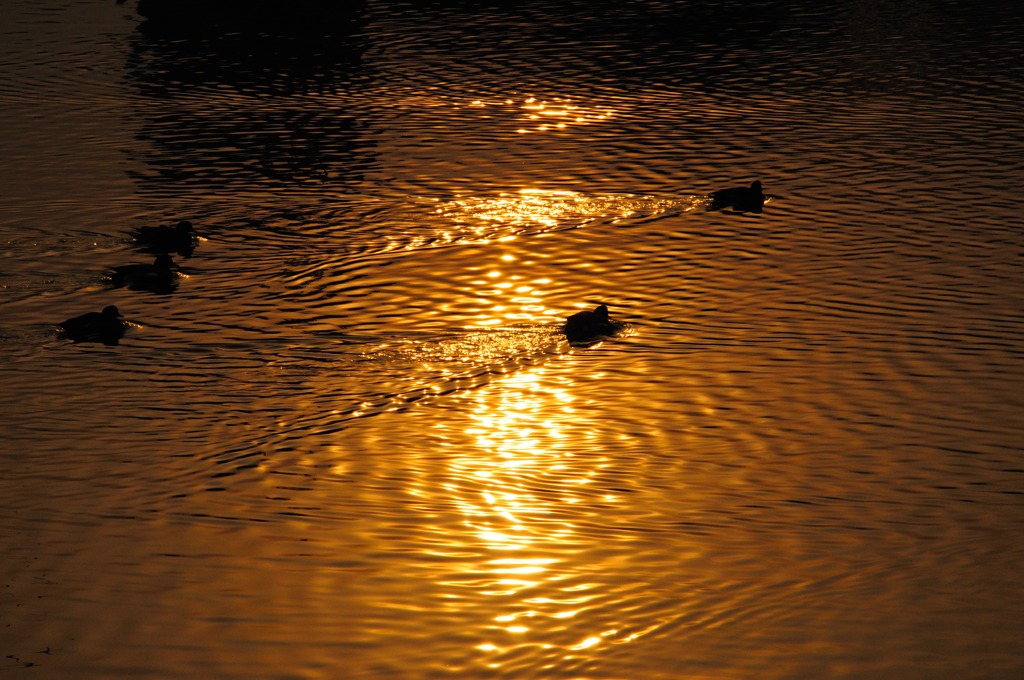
<point>106,327</point>
<point>181,238</point>
<point>739,199</point>
<point>159,277</point>
<point>586,328</point>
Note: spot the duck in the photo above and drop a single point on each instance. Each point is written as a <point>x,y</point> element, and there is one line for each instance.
<point>584,328</point>
<point>740,199</point>
<point>180,239</point>
<point>106,327</point>
<point>158,277</point>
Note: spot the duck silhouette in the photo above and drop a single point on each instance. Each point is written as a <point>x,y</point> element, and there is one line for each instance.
<point>586,328</point>
<point>180,239</point>
<point>106,327</point>
<point>740,199</point>
<point>158,277</point>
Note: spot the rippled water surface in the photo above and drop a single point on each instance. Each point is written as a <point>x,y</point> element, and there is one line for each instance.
<point>351,442</point>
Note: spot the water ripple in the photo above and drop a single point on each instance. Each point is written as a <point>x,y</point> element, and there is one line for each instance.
<point>353,436</point>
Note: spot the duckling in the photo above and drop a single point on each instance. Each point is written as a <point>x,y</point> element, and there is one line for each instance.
<point>181,239</point>
<point>583,328</point>
<point>106,327</point>
<point>158,277</point>
<point>740,199</point>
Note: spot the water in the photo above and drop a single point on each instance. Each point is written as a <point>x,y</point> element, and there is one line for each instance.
<point>352,442</point>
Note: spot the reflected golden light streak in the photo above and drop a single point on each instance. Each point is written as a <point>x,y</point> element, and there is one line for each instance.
<point>509,298</point>
<point>587,644</point>
<point>535,110</point>
<point>525,431</point>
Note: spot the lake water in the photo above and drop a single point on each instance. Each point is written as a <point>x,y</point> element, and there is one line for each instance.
<point>352,442</point>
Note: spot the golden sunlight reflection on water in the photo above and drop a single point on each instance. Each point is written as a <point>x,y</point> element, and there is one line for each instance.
<point>547,114</point>
<point>516,488</point>
<point>502,297</point>
<point>559,114</point>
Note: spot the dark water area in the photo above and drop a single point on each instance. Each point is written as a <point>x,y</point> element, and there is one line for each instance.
<point>351,441</point>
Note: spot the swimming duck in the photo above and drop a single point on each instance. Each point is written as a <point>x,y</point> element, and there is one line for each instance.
<point>105,327</point>
<point>158,277</point>
<point>181,239</point>
<point>740,199</point>
<point>588,327</point>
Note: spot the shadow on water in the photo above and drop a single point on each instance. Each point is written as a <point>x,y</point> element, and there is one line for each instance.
<point>313,17</point>
<point>248,99</point>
